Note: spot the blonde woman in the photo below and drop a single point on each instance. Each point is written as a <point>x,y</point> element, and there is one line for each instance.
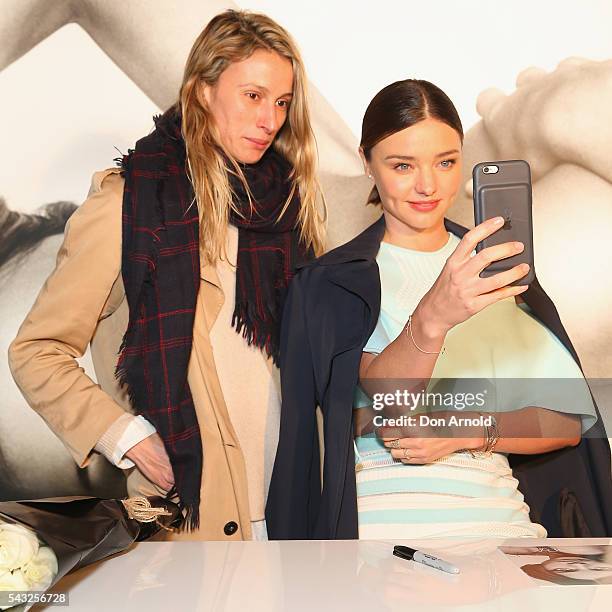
<point>192,240</point>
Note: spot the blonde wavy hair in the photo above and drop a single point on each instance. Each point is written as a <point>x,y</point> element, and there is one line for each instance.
<point>233,36</point>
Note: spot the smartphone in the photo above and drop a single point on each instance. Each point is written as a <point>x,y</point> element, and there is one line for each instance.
<point>503,189</point>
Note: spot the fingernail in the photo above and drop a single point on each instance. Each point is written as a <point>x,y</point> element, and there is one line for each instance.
<point>519,246</point>
<point>498,220</point>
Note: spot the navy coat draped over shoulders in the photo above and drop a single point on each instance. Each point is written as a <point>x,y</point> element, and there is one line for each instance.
<point>331,310</point>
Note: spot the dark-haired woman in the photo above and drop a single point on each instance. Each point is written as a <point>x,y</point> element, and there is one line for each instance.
<point>404,301</point>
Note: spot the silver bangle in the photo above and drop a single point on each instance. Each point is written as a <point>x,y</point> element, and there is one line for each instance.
<point>408,329</point>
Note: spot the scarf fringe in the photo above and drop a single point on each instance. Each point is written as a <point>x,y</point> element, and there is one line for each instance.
<point>122,376</point>
<point>123,161</point>
<point>191,521</point>
<point>257,331</point>
<point>189,511</point>
<point>122,370</point>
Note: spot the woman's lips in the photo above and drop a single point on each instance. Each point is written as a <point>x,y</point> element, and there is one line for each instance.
<point>259,144</point>
<point>425,205</point>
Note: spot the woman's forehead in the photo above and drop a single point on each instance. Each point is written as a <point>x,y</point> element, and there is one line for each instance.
<point>263,69</point>
<point>427,138</point>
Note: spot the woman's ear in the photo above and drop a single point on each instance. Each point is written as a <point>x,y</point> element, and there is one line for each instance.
<point>364,161</point>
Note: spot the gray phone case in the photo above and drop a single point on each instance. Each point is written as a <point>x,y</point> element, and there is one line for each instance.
<point>506,193</point>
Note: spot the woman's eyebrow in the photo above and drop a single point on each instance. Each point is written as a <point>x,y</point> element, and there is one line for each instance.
<point>410,158</point>
<point>265,89</point>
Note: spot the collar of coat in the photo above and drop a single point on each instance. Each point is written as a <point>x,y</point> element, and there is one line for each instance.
<point>347,263</point>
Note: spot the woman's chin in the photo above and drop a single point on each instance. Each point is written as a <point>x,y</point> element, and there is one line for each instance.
<point>420,221</point>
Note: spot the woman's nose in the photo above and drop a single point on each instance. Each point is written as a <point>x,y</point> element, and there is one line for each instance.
<point>266,118</point>
<point>426,183</point>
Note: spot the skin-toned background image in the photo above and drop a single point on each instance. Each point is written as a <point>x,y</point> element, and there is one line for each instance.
<point>81,79</point>
<point>569,565</point>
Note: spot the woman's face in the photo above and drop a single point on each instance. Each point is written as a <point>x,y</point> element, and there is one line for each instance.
<point>250,103</point>
<point>417,172</point>
<point>580,568</point>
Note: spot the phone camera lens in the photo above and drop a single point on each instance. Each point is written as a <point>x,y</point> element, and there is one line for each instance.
<point>486,170</point>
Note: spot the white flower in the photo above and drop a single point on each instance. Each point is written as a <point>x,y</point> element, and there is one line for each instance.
<point>40,571</point>
<point>18,545</point>
<point>13,581</point>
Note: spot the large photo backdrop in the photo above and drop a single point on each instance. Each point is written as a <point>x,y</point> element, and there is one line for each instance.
<point>81,79</point>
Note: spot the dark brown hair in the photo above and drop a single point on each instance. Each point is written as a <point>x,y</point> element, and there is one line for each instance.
<point>399,106</point>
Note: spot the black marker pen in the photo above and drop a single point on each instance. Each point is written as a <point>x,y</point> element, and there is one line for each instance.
<point>411,554</point>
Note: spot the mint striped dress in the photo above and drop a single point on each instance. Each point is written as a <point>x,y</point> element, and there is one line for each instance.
<point>459,495</point>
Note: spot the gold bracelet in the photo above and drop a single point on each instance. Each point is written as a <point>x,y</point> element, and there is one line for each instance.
<point>492,435</point>
<point>409,329</point>
<point>491,438</point>
<point>482,451</point>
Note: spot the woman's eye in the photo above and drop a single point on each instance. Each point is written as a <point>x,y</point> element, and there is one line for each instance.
<point>253,95</point>
<point>283,103</point>
<point>402,167</point>
<point>448,163</point>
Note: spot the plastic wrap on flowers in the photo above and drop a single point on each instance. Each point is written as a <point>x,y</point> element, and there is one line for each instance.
<point>82,530</point>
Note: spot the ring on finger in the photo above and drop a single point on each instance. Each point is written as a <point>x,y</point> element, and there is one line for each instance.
<point>395,443</point>
<point>406,455</point>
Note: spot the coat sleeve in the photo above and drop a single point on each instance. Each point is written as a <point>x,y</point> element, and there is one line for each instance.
<point>63,319</point>
<point>568,490</point>
<point>295,486</point>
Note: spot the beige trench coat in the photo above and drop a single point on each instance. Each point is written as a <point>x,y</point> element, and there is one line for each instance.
<point>83,300</point>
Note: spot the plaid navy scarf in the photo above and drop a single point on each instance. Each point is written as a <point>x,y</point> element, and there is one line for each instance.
<point>161,274</point>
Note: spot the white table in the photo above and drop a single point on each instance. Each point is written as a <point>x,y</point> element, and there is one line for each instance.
<point>319,575</point>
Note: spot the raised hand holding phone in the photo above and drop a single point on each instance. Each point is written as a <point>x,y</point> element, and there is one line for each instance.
<point>461,291</point>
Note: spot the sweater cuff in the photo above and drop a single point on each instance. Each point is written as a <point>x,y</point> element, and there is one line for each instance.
<point>127,431</point>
